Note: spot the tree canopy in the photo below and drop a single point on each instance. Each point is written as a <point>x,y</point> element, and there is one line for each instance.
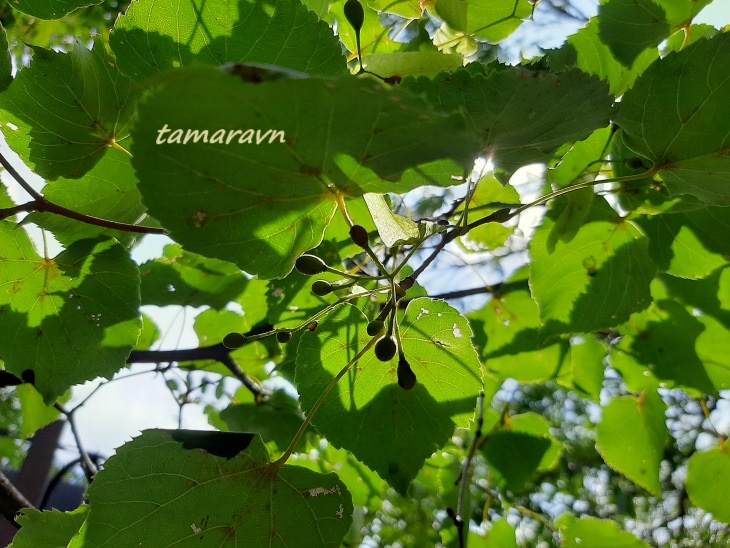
<point>448,298</point>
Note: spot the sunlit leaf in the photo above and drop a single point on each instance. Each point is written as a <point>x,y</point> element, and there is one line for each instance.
<point>185,486</point>
<point>631,438</point>
<point>68,319</point>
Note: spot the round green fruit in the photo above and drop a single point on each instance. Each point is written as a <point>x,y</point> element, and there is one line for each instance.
<point>385,349</point>
<point>321,288</point>
<point>354,13</point>
<point>234,340</point>
<point>406,376</point>
<point>375,327</point>
<point>310,265</point>
<point>360,236</point>
<point>283,337</point>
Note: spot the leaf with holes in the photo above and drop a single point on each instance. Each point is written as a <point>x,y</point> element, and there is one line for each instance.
<point>390,429</point>
<point>187,486</point>
<point>68,319</point>
<point>48,528</point>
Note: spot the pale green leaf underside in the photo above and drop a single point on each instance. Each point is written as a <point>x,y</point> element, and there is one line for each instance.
<point>395,229</point>
<point>676,116</point>
<point>163,488</point>
<point>260,206</point>
<point>389,429</point>
<point>70,319</point>
<point>156,35</point>
<point>68,109</point>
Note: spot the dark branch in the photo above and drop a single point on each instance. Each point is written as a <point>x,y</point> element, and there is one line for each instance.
<point>11,500</point>
<point>216,352</point>
<point>41,204</point>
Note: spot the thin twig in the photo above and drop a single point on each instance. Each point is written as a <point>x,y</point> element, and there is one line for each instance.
<point>42,205</point>
<point>466,470</point>
<point>90,469</point>
<point>11,500</point>
<point>216,352</point>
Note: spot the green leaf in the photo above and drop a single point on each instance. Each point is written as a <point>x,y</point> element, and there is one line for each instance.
<point>264,220</point>
<point>580,161</point>
<point>212,326</point>
<point>490,191</point>
<point>34,413</point>
<point>586,51</point>
<point>520,449</point>
<point>629,27</point>
<point>411,63</point>
<point>590,532</point>
<point>389,429</point>
<point>6,67</point>
<point>708,481</point>
<point>593,281</point>
<point>681,13</point>
<point>678,40</point>
<point>689,245</point>
<point>508,329</point>
<point>490,20</point>
<point>586,366</point>
<point>68,108</point>
<point>501,535</point>
<point>365,486</point>
<point>395,229</point>
<point>514,457</point>
<point>187,279</point>
<point>71,318</point>
<point>108,191</point>
<point>223,491</point>
<point>713,350</point>
<point>149,335</point>
<point>663,341</point>
<point>50,528</point>
<point>277,419</point>
<point>675,116</point>
<point>709,295</point>
<point>51,9</point>
<point>631,438</point>
<point>410,9</point>
<point>523,116</point>
<point>156,35</point>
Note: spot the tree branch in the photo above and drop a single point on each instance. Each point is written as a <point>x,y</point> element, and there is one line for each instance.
<point>11,500</point>
<point>42,205</point>
<point>216,352</point>
<point>89,467</point>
